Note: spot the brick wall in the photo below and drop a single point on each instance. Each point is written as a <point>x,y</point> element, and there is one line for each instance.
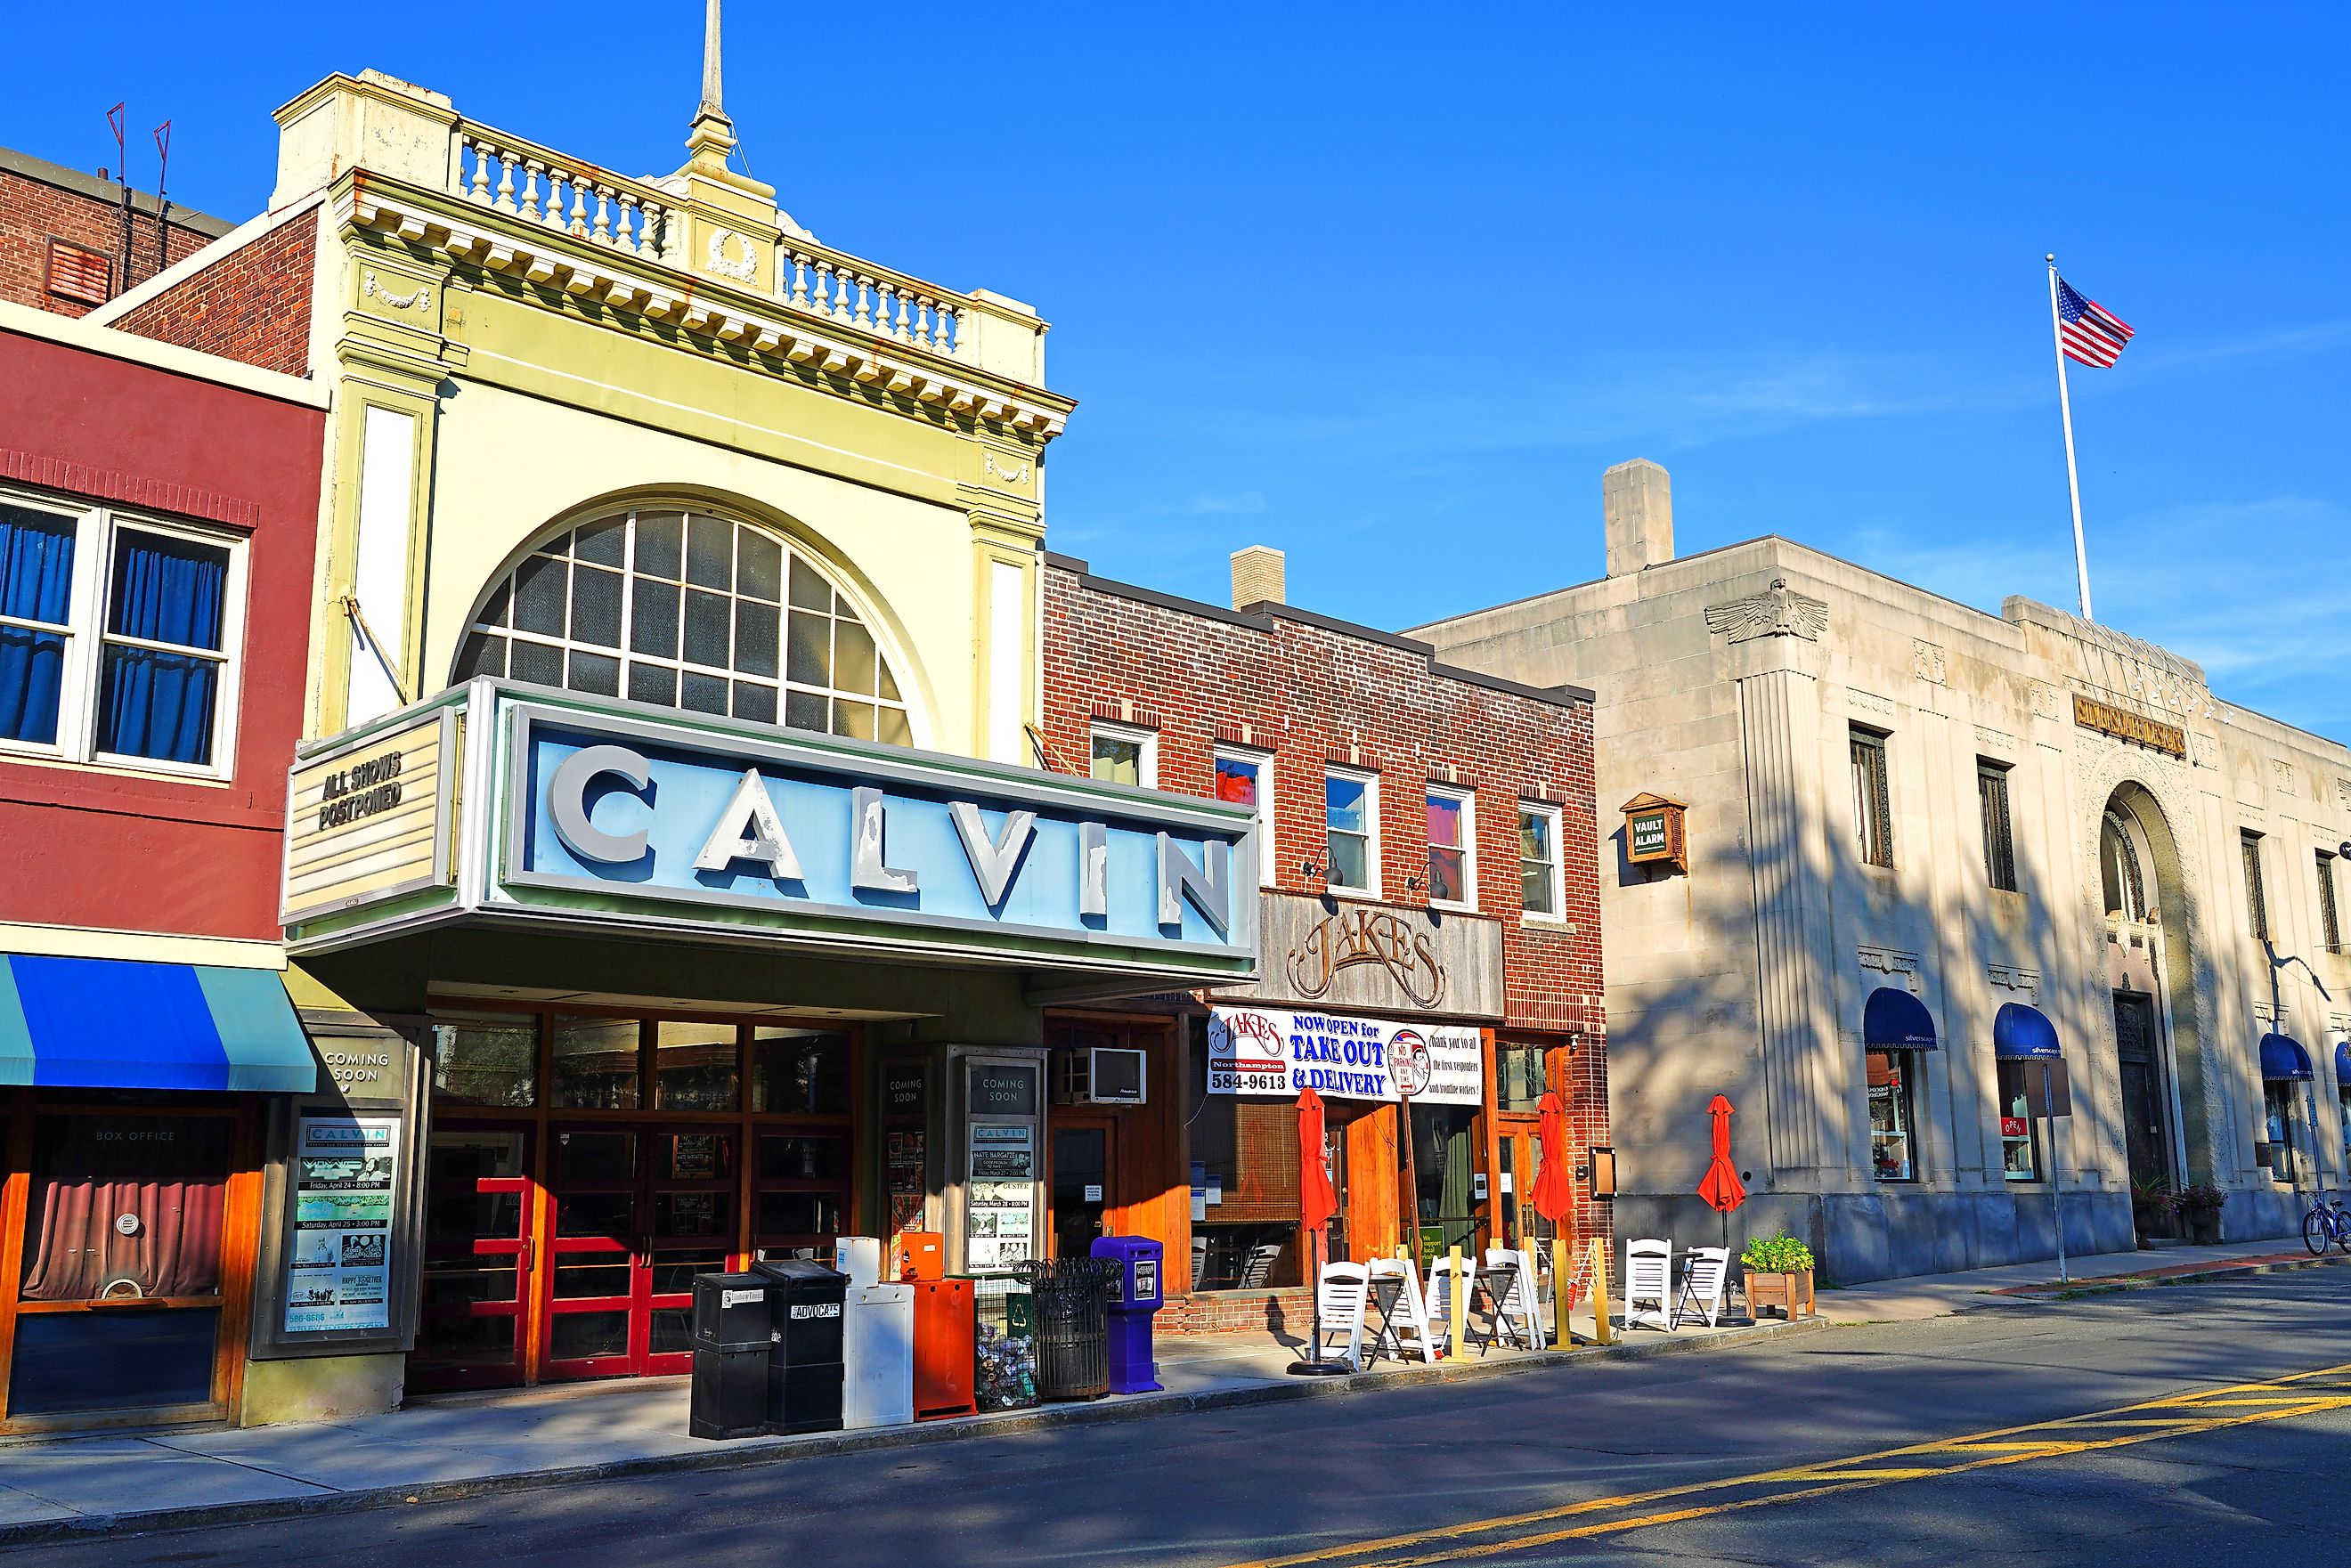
<point>1289,1311</point>
<point>33,211</point>
<point>254,304</point>
<point>1313,692</point>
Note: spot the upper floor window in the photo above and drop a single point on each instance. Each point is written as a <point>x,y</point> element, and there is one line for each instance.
<point>1873,806</point>
<point>1351,819</point>
<point>2257,904</point>
<point>1125,755</point>
<point>117,637</point>
<point>2330,920</point>
<point>1539,889</point>
<point>1246,778</point>
<point>1999,832</point>
<point>1452,846</point>
<point>694,612</point>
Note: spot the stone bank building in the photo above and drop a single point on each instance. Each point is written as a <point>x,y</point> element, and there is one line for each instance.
<point>1923,845</point>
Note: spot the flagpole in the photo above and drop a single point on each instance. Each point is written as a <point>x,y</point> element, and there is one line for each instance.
<point>2073,477</point>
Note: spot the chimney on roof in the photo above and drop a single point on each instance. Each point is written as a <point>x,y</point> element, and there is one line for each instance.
<point>1638,500</point>
<point>1257,576</point>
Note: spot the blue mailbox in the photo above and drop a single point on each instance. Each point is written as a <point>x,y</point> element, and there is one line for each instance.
<point>1134,1297</point>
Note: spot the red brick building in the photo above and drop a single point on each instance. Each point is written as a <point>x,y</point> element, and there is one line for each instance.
<point>64,236</point>
<point>1430,871</point>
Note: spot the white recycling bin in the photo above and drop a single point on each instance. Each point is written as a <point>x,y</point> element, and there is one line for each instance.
<point>877,1328</point>
<point>860,1258</point>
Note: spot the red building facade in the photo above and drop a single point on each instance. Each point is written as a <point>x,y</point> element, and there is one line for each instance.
<point>1440,816</point>
<point>158,514</point>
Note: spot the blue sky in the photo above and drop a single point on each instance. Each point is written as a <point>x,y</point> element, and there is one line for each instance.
<point>1388,288</point>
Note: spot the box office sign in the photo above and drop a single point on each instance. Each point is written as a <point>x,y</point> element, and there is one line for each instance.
<point>371,822</point>
<point>1270,1053</point>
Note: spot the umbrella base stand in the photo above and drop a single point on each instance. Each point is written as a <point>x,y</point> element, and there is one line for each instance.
<point>1318,1369</point>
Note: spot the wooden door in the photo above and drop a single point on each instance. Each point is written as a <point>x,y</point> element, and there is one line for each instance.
<point>1373,1185</point>
<point>1083,1181</point>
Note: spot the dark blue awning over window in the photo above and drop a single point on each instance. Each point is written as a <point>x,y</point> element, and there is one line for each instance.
<point>110,1023</point>
<point>2019,1031</point>
<point>2283,1061</point>
<point>1896,1020</point>
<point>2342,1065</point>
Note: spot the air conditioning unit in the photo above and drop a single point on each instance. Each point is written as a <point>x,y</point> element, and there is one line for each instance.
<point>1100,1075</point>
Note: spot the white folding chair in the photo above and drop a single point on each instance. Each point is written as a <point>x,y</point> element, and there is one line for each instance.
<point>1649,1279</point>
<point>1260,1267</point>
<point>1339,1306</point>
<point>1518,1314</point>
<point>1199,1261</point>
<point>1439,1297</point>
<point>1405,1331</point>
<point>1702,1279</point>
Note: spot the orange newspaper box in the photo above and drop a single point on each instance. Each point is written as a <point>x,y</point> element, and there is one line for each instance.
<point>944,1366</point>
<point>918,1255</point>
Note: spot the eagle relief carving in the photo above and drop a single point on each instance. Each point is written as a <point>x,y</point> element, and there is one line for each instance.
<point>1778,611</point>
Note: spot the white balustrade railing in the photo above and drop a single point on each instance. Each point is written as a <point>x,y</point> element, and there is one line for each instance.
<point>538,186</point>
<point>507,174</point>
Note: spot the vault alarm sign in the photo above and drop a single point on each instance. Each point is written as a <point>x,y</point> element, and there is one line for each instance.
<point>1653,831</point>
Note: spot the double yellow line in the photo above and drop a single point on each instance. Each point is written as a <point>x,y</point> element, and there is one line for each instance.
<point>2178,1416</point>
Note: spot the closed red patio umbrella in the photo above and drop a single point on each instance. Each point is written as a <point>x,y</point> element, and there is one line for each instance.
<point>1317,1202</point>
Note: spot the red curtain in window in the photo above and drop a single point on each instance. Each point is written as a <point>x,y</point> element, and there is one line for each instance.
<point>169,1175</point>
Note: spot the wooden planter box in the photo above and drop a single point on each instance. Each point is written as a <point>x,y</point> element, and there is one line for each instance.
<point>1791,1293</point>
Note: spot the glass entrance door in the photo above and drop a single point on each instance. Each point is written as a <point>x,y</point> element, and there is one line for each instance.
<point>1521,1159</point>
<point>472,1331</point>
<point>636,1212</point>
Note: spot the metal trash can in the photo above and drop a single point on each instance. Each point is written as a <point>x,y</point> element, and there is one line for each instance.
<point>730,1333</point>
<point>804,1353</point>
<point>1072,1297</point>
<point>1135,1298</point>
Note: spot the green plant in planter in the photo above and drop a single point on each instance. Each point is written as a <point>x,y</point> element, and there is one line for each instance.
<point>1781,1254</point>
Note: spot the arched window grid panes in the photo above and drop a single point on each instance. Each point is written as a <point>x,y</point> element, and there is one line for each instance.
<point>694,611</point>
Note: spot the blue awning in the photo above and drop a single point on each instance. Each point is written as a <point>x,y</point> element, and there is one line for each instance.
<point>2283,1060</point>
<point>2343,1064</point>
<point>2019,1031</point>
<point>109,1023</point>
<point>1895,1020</point>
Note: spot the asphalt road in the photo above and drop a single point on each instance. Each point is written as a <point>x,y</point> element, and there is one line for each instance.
<point>2219,1481</point>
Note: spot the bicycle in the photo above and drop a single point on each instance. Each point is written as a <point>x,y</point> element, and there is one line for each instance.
<point>2327,1221</point>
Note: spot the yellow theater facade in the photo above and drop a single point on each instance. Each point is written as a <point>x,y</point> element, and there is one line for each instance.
<point>666,884</point>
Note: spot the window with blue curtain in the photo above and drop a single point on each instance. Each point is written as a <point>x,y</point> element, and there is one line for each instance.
<point>159,686</point>
<point>36,558</point>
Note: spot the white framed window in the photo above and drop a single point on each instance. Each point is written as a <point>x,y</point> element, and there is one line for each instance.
<point>120,637</point>
<point>1245,777</point>
<point>1351,821</point>
<point>690,611</point>
<point>1452,848</point>
<point>1542,890</point>
<point>1126,754</point>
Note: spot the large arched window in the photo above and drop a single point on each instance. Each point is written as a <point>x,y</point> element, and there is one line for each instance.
<point>2118,866</point>
<point>689,611</point>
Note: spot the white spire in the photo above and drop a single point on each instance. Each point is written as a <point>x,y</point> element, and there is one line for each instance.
<point>711,97</point>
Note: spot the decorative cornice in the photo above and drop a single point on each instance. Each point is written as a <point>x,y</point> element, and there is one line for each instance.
<point>784,341</point>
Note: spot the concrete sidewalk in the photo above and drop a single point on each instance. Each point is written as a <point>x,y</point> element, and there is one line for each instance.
<point>461,1444</point>
<point>1935,1295</point>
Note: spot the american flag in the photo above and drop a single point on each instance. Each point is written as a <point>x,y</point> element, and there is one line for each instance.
<point>2091,333</point>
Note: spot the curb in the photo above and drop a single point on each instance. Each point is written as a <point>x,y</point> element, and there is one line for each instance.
<point>751,1452</point>
<point>2116,1285</point>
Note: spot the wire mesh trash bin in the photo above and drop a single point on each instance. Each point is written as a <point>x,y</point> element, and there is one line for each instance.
<point>1073,1300</point>
<point>730,1333</point>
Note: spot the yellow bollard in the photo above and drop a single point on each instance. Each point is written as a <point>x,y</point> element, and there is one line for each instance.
<point>1460,1305</point>
<point>1559,1338</point>
<point>1602,1330</point>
